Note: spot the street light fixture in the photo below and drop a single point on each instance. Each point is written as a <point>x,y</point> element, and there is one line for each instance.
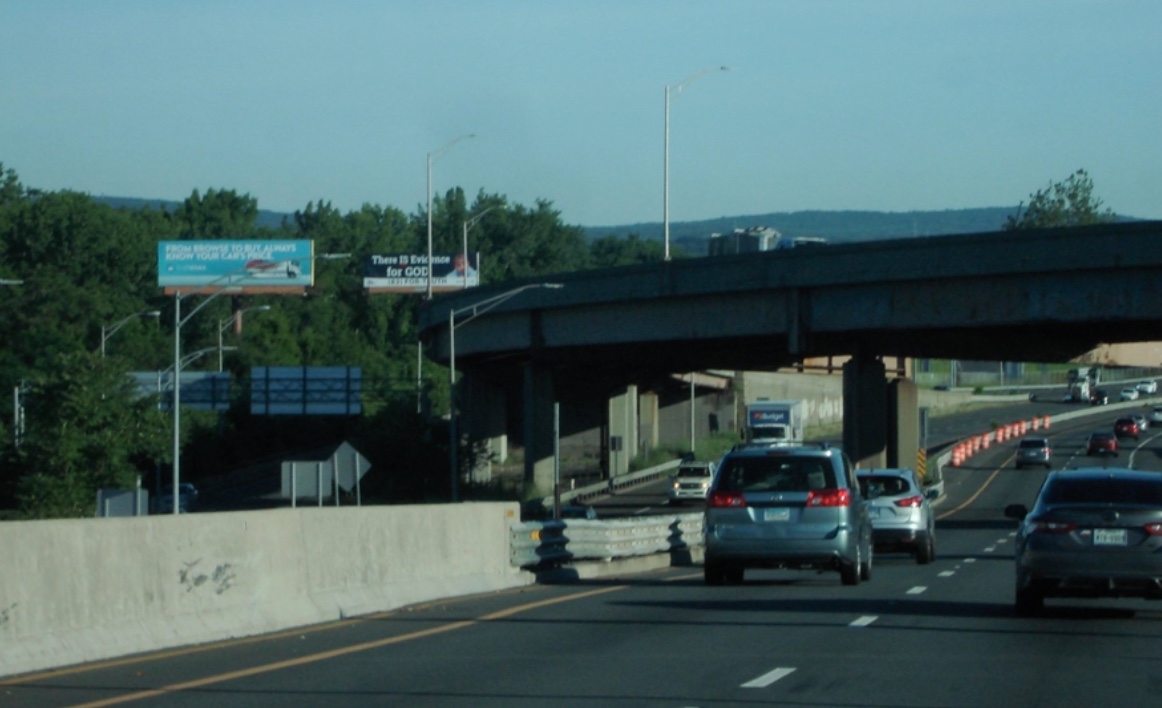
<point>666,157</point>
<point>432,157</point>
<point>468,224</point>
<point>475,311</point>
<point>223,324</point>
<point>107,332</point>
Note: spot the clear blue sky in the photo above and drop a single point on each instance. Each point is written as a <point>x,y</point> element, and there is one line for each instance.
<point>886,105</point>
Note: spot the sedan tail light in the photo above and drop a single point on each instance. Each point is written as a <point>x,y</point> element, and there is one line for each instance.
<point>726,500</point>
<point>913,502</point>
<point>1060,527</point>
<point>1154,529</point>
<point>829,497</point>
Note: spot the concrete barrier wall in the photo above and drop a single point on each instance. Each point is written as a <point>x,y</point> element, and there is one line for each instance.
<point>80,590</point>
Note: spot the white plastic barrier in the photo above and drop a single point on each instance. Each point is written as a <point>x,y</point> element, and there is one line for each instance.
<point>79,590</point>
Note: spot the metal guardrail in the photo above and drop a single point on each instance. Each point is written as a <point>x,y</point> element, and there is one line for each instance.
<point>610,485</point>
<point>548,543</point>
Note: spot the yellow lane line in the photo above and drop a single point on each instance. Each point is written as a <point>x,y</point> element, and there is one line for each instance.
<point>974,497</point>
<point>342,651</point>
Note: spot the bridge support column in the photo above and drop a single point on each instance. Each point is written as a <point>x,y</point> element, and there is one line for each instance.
<point>538,428</point>
<point>483,428</point>
<point>865,434</point>
<point>623,431</point>
<point>903,423</point>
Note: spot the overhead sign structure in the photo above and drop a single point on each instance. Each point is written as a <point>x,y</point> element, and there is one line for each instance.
<point>408,272</point>
<point>236,266</point>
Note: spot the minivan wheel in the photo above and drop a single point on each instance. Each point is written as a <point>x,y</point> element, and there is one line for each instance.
<point>849,570</point>
<point>734,576</point>
<point>865,568</point>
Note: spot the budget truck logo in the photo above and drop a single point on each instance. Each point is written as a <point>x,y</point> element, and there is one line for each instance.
<point>769,417</point>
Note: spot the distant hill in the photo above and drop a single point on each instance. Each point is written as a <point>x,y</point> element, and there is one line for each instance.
<point>835,226</point>
<point>691,236</point>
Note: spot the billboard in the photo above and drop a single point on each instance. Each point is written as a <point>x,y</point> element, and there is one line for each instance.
<point>237,266</point>
<point>408,272</point>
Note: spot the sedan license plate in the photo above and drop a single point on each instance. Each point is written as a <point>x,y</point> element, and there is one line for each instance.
<point>781,513</point>
<point>1109,537</point>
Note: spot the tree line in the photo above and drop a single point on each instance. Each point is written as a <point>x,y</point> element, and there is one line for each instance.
<point>84,266</point>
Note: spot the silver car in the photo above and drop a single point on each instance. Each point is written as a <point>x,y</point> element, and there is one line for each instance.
<point>691,482</point>
<point>786,507</point>
<point>1033,451</point>
<point>901,513</point>
<point>1094,532</point>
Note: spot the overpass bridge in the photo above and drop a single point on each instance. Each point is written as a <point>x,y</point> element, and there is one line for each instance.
<point>1047,295</point>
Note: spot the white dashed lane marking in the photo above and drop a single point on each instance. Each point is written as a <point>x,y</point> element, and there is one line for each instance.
<point>917,590</point>
<point>768,678</point>
<point>864,621</point>
<point>947,573</point>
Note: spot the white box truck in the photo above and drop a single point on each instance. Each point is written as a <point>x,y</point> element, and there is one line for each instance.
<point>774,423</point>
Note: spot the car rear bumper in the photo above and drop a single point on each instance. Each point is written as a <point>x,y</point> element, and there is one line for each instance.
<point>1091,575</point>
<point>781,553</point>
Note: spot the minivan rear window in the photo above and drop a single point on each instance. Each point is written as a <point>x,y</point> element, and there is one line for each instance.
<point>776,474</point>
<point>1033,443</point>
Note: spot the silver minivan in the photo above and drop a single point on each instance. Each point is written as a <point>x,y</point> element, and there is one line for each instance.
<point>796,507</point>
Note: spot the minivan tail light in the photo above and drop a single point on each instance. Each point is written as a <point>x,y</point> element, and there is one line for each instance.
<point>913,502</point>
<point>726,500</point>
<point>829,497</point>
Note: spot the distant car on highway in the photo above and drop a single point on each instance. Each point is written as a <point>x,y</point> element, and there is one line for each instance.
<point>1142,421</point>
<point>187,499</point>
<point>901,515</point>
<point>1099,397</point>
<point>692,481</point>
<point>1127,427</point>
<point>1102,444</point>
<point>1156,414</point>
<point>1147,387</point>
<point>1094,532</point>
<point>1033,451</point>
<point>1128,394</point>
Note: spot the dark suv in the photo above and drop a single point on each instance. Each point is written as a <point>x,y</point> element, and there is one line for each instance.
<point>794,507</point>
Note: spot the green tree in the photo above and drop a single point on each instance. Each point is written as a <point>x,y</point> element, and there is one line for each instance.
<point>610,251</point>
<point>85,429</point>
<point>1067,203</point>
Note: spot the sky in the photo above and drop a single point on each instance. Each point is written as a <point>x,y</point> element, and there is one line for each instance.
<point>882,105</point>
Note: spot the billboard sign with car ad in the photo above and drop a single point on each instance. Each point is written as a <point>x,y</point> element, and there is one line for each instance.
<point>237,266</point>
<point>408,272</point>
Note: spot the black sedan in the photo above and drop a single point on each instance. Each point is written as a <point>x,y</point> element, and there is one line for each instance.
<point>1094,532</point>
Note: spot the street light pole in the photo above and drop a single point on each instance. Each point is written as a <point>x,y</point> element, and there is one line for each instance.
<point>432,157</point>
<point>468,224</point>
<point>476,310</point>
<point>666,156</point>
<point>107,332</point>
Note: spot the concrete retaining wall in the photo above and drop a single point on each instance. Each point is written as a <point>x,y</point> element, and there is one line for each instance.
<point>79,590</point>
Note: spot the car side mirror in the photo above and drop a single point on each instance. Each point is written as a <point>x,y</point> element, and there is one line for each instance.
<point>932,493</point>
<point>1016,511</point>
